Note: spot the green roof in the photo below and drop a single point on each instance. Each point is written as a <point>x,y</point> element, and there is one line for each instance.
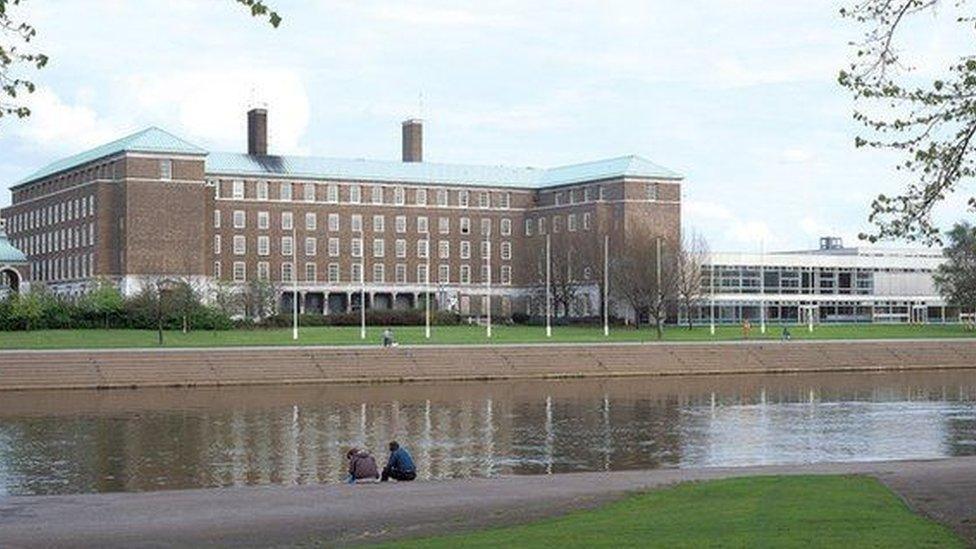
<point>9,254</point>
<point>151,140</point>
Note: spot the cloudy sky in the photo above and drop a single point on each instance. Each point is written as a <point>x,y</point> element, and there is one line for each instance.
<point>739,96</point>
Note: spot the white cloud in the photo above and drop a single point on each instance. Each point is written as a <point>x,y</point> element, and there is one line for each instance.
<point>62,127</point>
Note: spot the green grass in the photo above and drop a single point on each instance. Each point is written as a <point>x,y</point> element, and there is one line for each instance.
<point>804,511</point>
<point>87,339</point>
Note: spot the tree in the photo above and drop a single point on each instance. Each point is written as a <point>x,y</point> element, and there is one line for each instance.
<point>689,269</point>
<point>931,125</point>
<point>15,52</point>
<point>28,309</point>
<point>644,276</point>
<point>260,299</point>
<point>955,279</point>
<point>104,301</point>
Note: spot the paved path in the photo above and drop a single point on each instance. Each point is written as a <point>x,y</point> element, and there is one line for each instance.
<point>338,514</point>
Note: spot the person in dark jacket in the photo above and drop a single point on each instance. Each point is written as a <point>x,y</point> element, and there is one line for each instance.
<point>400,465</point>
<point>362,467</point>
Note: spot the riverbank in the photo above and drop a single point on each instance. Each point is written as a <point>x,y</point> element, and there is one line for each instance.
<point>943,490</point>
<point>105,369</point>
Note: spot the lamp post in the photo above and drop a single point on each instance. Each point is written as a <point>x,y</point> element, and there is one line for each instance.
<point>762,287</point>
<point>548,289</point>
<point>294,280</point>
<point>362,292</point>
<point>427,296</point>
<point>488,280</point>
<point>606,285</point>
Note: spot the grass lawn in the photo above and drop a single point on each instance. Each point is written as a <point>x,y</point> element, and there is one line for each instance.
<point>832,511</point>
<point>346,335</point>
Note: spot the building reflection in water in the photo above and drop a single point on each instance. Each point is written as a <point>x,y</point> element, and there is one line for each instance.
<point>68,442</point>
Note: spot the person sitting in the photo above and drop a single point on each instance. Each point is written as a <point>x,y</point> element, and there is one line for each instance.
<point>400,465</point>
<point>388,339</point>
<point>362,466</point>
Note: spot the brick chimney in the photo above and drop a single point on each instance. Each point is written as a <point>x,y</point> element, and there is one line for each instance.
<point>413,140</point>
<point>257,132</point>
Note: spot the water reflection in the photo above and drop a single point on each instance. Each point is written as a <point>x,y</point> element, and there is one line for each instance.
<point>68,442</point>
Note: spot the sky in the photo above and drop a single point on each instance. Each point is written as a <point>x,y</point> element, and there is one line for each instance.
<point>738,96</point>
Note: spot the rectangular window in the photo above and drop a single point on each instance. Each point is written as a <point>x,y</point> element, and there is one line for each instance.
<point>377,194</point>
<point>465,249</point>
<point>420,197</point>
<point>216,270</point>
<point>506,227</point>
<point>586,221</point>
<point>240,245</point>
<point>600,193</point>
<point>356,223</point>
<point>379,273</point>
<point>444,225</point>
<point>422,274</point>
<point>332,193</point>
<point>264,220</point>
<point>379,247</point>
<point>486,227</point>
<point>311,272</point>
<point>464,275</point>
<point>310,246</point>
<point>287,222</point>
<point>444,249</point>
<point>422,225</point>
<point>356,247</point>
<point>355,194</point>
<point>401,248</point>
<point>238,189</point>
<point>463,199</point>
<point>506,250</point>
<point>571,222</point>
<point>557,222</point>
<point>442,197</point>
<point>484,249</point>
<point>444,274</point>
<point>558,198</point>
<point>422,249</point>
<point>262,190</point>
<point>333,222</point>
<point>379,223</point>
<point>506,200</point>
<point>506,275</point>
<point>216,220</point>
<point>651,191</point>
<point>334,273</point>
<point>588,194</point>
<point>401,223</point>
<point>166,169</point>
<point>401,273</point>
<point>264,245</point>
<point>484,273</point>
<point>216,244</point>
<point>465,225</point>
<point>528,227</point>
<point>287,246</point>
<point>287,272</point>
<point>542,225</point>
<point>356,273</point>
<point>239,219</point>
<point>310,221</point>
<point>240,272</point>
<point>308,190</point>
<point>572,196</point>
<point>399,196</point>
<point>484,200</point>
<point>284,190</point>
<point>264,271</point>
<point>333,247</point>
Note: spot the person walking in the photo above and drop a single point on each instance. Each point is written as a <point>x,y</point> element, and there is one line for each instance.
<point>400,465</point>
<point>388,339</point>
<point>362,466</point>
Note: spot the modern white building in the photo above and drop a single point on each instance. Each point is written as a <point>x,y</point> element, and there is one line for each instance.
<point>833,284</point>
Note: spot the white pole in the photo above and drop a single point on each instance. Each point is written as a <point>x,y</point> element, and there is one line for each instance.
<point>810,318</point>
<point>762,286</point>
<point>659,292</point>
<point>294,279</point>
<point>488,242</point>
<point>427,295</point>
<point>362,293</point>
<point>606,284</point>
<point>711,306</point>
<point>548,290</point>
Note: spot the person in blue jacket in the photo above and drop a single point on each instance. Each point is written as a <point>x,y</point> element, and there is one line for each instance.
<point>400,465</point>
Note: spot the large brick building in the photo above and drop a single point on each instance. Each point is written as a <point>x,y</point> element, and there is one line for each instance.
<point>152,205</point>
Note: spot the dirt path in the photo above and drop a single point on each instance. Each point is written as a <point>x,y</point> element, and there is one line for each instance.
<point>338,514</point>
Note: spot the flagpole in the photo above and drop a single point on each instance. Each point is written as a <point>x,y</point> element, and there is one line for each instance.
<point>606,284</point>
<point>427,294</point>
<point>488,242</point>
<point>548,290</point>
<point>711,324</point>
<point>762,286</point>
<point>294,280</point>
<point>362,291</point>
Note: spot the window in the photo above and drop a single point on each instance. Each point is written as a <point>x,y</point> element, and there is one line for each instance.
<point>422,249</point>
<point>463,199</point>
<point>240,272</point>
<point>216,244</point>
<point>239,220</point>
<point>356,223</point>
<point>377,195</point>
<point>558,198</point>
<point>571,222</point>
<point>216,221</point>
<point>401,223</point>
<point>572,196</point>
<point>379,247</point>
<point>465,249</point>
<point>484,200</point>
<point>166,170</point>
<point>465,274</point>
<point>528,227</point>
<point>650,191</point>
<point>420,197</point>
<point>542,225</point>
<point>356,273</point>
<point>287,246</point>
<point>485,273</point>
<point>586,221</point>
<point>216,270</point>
<point>238,189</point>
<point>333,222</point>
<point>264,220</point>
<point>444,249</point>
<point>400,247</point>
<point>442,197</point>
<point>465,225</point>
<point>379,223</point>
<point>264,271</point>
<point>422,225</point>
<point>311,272</point>
<point>506,200</point>
<point>379,272</point>
<point>333,247</point>
<point>240,245</point>
<point>333,273</point>
<point>310,246</point>
<point>355,194</point>
<point>287,223</point>
<point>444,225</point>
<point>287,272</point>
<point>400,273</point>
<point>399,196</point>
<point>332,193</point>
<point>600,193</point>
<point>264,245</point>
<point>356,249</point>
<point>506,274</point>
<point>310,221</point>
<point>308,190</point>
<point>506,250</point>
<point>262,190</point>
<point>422,274</point>
<point>506,226</point>
<point>485,227</point>
<point>484,249</point>
<point>557,222</point>
<point>284,190</point>
<point>588,194</point>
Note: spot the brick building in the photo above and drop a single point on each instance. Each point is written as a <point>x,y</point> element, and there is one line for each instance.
<point>152,205</point>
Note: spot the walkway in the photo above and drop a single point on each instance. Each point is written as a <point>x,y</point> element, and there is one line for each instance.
<point>272,515</point>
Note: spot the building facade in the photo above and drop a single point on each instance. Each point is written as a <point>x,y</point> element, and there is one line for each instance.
<point>331,232</point>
